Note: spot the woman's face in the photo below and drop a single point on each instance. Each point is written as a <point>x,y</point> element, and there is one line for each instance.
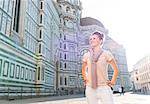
<point>94,40</point>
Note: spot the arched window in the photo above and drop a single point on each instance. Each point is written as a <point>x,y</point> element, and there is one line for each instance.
<point>74,12</point>
<point>60,35</point>
<point>65,65</point>
<point>40,34</point>
<point>65,81</point>
<point>60,6</point>
<point>64,46</point>
<point>65,56</point>
<point>39,48</point>
<point>41,18</point>
<point>41,7</point>
<point>67,9</point>
<point>64,23</point>
<point>64,37</point>
<point>60,80</point>
<point>17,16</point>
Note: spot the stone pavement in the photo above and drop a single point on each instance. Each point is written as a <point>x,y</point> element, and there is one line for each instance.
<point>128,98</point>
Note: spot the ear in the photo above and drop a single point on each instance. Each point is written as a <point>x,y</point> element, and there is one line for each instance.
<point>101,41</point>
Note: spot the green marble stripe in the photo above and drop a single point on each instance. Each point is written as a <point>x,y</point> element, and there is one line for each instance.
<point>10,82</point>
<point>16,59</point>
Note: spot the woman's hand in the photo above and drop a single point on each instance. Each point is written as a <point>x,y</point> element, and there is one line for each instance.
<point>85,82</point>
<point>115,73</point>
<point>110,83</point>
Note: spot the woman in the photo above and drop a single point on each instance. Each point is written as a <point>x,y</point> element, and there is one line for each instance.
<point>95,73</point>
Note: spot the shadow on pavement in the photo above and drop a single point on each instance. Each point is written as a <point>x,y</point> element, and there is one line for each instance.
<point>40,99</point>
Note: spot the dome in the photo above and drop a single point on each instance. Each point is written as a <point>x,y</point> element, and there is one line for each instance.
<point>90,21</point>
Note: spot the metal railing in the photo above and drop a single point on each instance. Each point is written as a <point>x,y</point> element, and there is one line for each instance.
<point>11,93</point>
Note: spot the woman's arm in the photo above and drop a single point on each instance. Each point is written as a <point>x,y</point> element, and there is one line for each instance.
<point>84,67</point>
<point>115,73</point>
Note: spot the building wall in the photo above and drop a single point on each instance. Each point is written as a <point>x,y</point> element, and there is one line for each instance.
<point>68,78</point>
<point>18,65</point>
<point>28,42</point>
<point>142,75</point>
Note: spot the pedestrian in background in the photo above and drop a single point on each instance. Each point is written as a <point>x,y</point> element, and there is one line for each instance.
<point>120,90</point>
<point>95,72</point>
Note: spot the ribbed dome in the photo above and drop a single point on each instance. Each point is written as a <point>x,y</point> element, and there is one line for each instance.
<point>90,21</point>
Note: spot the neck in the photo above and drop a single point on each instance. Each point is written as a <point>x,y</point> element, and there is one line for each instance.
<point>96,49</point>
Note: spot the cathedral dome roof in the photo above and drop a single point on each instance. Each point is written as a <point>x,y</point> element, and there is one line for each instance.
<point>90,21</point>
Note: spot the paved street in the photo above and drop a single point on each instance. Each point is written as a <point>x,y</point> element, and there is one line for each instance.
<point>128,98</point>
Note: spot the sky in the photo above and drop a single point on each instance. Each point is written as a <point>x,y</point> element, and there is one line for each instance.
<point>128,23</point>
